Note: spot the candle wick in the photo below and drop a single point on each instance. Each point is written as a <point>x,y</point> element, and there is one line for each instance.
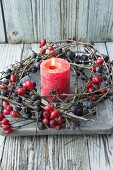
<point>52,67</point>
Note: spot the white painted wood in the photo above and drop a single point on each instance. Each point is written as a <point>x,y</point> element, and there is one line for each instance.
<point>68,20</point>
<point>46,19</point>
<point>2,141</point>
<point>34,20</point>
<point>18,20</point>
<point>68,152</point>
<point>8,55</point>
<point>101,47</point>
<point>2,32</point>
<point>82,19</point>
<point>100,19</point>
<point>45,153</point>
<point>100,147</point>
<point>100,152</point>
<point>109,46</point>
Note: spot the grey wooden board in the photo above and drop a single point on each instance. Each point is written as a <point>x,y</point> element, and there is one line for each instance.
<point>32,20</point>
<point>18,21</point>
<point>103,123</point>
<point>52,153</point>
<point>99,20</point>
<point>2,32</point>
<point>40,153</point>
<point>8,55</point>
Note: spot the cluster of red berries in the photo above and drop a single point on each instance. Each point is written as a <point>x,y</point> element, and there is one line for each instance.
<point>96,80</point>
<point>49,116</point>
<point>7,110</point>
<point>26,85</point>
<point>44,47</point>
<point>5,124</point>
<point>52,117</point>
<point>11,81</point>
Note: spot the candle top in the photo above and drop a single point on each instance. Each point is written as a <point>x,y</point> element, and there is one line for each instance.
<point>55,65</point>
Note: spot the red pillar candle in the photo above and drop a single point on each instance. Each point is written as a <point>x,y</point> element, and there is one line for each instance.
<point>55,75</point>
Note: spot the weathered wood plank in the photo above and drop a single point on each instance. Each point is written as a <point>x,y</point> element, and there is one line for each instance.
<point>100,147</point>
<point>24,153</point>
<point>109,46</point>
<point>101,47</point>
<point>2,142</point>
<point>33,20</point>
<point>68,20</point>
<point>48,153</point>
<point>2,32</point>
<point>63,155</point>
<point>8,55</point>
<point>54,20</point>
<point>46,19</point>
<point>100,152</point>
<point>82,19</point>
<point>18,20</point>
<point>100,20</point>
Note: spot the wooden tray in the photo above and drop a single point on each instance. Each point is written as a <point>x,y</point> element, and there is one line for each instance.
<point>103,123</point>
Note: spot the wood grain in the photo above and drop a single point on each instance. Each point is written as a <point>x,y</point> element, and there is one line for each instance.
<point>100,147</point>
<point>100,20</point>
<point>8,55</point>
<point>2,32</point>
<point>55,152</point>
<point>104,111</point>
<point>33,20</point>
<point>18,20</point>
<point>82,22</point>
<point>45,153</point>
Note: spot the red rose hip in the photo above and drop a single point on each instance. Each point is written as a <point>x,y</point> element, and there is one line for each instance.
<point>5,103</point>
<point>5,122</point>
<point>1,117</point>
<point>21,91</point>
<point>15,114</point>
<point>54,114</point>
<point>102,90</point>
<point>58,126</point>
<point>9,108</point>
<point>8,131</point>
<point>43,43</point>
<point>13,78</point>
<point>46,114</point>
<point>91,89</point>
<point>60,119</point>
<point>99,61</point>
<point>53,122</point>
<point>6,127</point>
<point>42,51</point>
<point>50,48</point>
<point>4,87</point>
<point>49,107</point>
<point>29,84</point>
<point>45,121</point>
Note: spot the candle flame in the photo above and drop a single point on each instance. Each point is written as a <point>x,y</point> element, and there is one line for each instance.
<point>53,61</point>
<point>52,66</point>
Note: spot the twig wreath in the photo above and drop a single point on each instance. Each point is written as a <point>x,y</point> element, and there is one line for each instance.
<point>21,99</point>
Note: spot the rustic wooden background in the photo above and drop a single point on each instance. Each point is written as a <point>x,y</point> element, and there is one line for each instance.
<point>32,20</point>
